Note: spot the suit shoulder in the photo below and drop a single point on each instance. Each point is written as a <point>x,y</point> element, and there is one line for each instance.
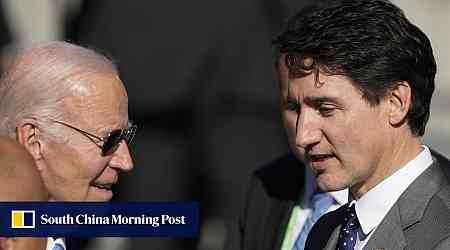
<point>434,227</point>
<point>440,157</point>
<point>441,219</point>
<point>281,178</point>
<point>442,161</point>
<point>444,196</point>
<point>443,244</point>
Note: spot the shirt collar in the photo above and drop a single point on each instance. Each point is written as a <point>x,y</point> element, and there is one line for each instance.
<point>373,206</point>
<point>341,196</point>
<point>52,241</point>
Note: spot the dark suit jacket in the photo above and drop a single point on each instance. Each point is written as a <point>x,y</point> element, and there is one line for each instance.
<point>420,219</point>
<point>271,196</point>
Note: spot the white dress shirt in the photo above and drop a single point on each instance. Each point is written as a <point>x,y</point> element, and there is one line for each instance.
<point>373,206</point>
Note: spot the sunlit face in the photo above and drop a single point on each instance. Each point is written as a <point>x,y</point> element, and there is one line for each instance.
<point>333,129</point>
<point>76,170</point>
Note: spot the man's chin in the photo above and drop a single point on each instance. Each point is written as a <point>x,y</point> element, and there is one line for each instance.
<point>330,183</point>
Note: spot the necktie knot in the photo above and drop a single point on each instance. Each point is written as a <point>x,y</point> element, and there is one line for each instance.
<point>349,230</point>
<point>351,221</point>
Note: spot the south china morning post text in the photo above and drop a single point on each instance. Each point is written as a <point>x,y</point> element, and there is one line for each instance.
<point>101,219</point>
<point>114,219</point>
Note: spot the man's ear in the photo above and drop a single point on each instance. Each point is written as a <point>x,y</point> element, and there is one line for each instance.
<point>28,134</point>
<point>399,101</point>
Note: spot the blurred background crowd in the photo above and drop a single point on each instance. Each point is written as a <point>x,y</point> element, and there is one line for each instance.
<point>202,90</point>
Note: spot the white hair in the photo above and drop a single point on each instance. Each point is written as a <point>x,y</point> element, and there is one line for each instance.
<point>35,83</point>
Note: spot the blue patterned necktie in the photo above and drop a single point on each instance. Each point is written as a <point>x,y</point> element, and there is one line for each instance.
<point>321,202</point>
<point>58,246</point>
<point>349,230</point>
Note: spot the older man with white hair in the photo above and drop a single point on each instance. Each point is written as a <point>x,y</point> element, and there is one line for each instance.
<point>68,107</point>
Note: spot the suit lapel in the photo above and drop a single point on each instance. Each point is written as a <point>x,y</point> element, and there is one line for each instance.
<point>281,207</point>
<point>280,215</point>
<point>277,186</point>
<point>389,234</point>
<point>413,202</point>
<point>407,211</point>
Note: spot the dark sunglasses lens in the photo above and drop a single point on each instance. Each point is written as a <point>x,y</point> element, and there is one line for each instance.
<point>112,142</point>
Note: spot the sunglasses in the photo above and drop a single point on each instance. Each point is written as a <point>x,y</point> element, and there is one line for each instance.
<point>112,140</point>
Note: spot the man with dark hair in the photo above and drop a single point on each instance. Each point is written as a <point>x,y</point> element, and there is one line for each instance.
<point>356,80</point>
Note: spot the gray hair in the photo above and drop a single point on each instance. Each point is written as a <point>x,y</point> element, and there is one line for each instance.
<point>37,81</point>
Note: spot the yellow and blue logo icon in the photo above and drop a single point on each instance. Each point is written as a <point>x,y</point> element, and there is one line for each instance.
<point>22,219</point>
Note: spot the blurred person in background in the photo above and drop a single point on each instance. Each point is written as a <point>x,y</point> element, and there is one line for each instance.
<point>19,181</point>
<point>5,38</point>
<point>68,107</point>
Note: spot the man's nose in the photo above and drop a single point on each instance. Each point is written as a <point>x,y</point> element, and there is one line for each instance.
<point>122,158</point>
<point>308,131</point>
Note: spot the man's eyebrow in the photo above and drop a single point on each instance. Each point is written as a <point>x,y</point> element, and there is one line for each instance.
<point>321,99</point>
